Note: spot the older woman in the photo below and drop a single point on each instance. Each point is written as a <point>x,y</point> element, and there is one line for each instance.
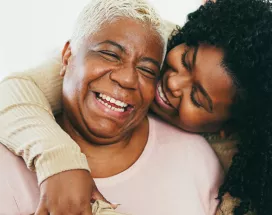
<point>110,69</point>
<point>217,78</point>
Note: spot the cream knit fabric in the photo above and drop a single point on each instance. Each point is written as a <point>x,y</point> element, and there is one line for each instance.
<point>103,208</point>
<point>28,127</point>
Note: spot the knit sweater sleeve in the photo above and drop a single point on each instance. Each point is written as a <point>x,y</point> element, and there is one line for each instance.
<point>28,127</point>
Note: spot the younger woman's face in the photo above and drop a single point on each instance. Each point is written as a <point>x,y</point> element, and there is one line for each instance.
<point>196,91</point>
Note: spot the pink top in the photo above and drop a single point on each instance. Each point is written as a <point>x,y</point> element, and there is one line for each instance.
<point>177,173</point>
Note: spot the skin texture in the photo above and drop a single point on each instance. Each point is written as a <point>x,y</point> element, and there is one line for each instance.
<point>120,77</point>
<point>65,193</point>
<point>249,62</point>
<point>127,75</point>
<point>128,72</point>
<point>188,107</point>
<point>97,76</point>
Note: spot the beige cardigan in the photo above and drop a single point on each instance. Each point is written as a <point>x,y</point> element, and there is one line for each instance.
<point>28,125</point>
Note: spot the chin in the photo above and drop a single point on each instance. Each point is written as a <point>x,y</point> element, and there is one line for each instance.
<point>103,131</point>
<point>195,129</point>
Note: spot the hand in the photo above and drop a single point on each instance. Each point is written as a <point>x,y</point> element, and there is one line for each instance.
<point>69,192</point>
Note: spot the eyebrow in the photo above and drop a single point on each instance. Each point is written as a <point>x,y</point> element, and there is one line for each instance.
<point>190,66</point>
<point>114,44</point>
<point>206,95</point>
<point>155,62</point>
<point>194,55</point>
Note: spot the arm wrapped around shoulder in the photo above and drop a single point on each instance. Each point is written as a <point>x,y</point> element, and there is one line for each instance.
<point>28,127</point>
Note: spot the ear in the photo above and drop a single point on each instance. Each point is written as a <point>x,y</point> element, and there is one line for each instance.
<point>66,54</point>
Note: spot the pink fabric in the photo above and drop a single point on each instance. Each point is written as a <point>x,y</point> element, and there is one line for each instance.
<point>19,193</point>
<point>177,173</point>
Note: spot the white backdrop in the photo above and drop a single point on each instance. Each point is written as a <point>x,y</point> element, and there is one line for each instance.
<point>31,28</point>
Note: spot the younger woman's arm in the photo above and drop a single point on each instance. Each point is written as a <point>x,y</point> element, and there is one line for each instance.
<point>28,129</point>
<point>27,125</point>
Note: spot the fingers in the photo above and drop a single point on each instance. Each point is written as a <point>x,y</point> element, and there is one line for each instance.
<point>87,211</point>
<point>67,193</point>
<point>98,196</point>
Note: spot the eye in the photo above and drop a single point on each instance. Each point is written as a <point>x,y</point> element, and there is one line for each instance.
<point>149,73</point>
<point>192,95</point>
<point>108,55</point>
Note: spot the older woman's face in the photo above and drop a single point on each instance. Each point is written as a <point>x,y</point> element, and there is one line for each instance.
<point>196,91</point>
<point>110,84</point>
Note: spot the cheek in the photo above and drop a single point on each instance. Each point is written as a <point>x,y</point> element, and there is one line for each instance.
<point>147,91</point>
<point>197,120</point>
<point>189,119</point>
<point>193,119</point>
<point>75,86</point>
<point>93,69</point>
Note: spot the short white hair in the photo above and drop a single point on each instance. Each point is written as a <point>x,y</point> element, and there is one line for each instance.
<point>98,12</point>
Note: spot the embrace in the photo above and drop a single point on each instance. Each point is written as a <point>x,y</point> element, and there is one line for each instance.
<point>133,119</point>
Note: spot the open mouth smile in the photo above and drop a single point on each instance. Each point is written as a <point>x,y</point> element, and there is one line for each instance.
<point>161,98</point>
<point>113,104</point>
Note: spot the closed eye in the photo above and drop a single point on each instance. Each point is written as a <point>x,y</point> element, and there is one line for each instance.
<point>147,72</point>
<point>192,95</point>
<point>108,55</point>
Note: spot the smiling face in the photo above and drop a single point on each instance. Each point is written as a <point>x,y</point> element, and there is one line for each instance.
<point>110,84</point>
<point>196,91</point>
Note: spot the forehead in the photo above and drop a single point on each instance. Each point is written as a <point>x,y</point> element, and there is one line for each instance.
<point>133,35</point>
<point>213,76</point>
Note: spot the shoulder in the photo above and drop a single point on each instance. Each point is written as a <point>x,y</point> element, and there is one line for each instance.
<point>204,161</point>
<point>195,153</point>
<point>168,134</point>
<point>198,149</point>
<point>201,158</point>
<point>207,173</point>
<point>18,185</point>
<point>182,144</point>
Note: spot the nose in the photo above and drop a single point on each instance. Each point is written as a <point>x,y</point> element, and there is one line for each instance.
<point>126,77</point>
<point>177,83</point>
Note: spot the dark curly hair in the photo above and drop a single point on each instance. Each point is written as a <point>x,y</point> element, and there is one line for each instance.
<point>243,30</point>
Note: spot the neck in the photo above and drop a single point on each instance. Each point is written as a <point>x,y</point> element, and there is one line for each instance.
<point>111,159</point>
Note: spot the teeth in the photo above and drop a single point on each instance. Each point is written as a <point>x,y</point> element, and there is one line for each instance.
<point>119,103</point>
<point>122,105</point>
<point>162,95</point>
